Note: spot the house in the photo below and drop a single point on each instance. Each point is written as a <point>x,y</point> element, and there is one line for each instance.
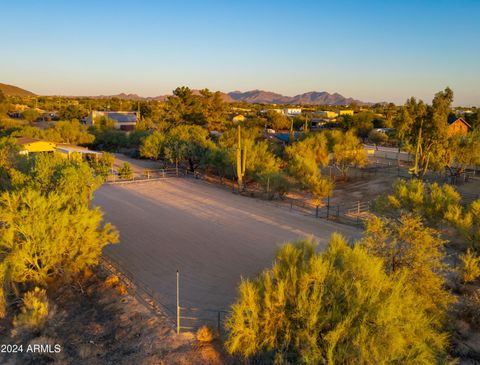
<point>292,111</point>
<point>124,121</point>
<point>327,114</point>
<point>345,112</point>
<point>457,126</point>
<point>34,145</point>
<point>289,112</point>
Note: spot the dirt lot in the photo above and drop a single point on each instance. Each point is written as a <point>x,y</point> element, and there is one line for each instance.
<point>95,324</point>
<point>212,236</point>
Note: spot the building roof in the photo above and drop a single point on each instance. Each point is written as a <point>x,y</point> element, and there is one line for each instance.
<point>285,137</point>
<point>452,119</point>
<point>123,117</point>
<point>27,140</point>
<point>70,149</point>
<point>119,117</point>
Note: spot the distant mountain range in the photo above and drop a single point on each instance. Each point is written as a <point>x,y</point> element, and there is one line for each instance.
<point>14,90</point>
<point>312,98</point>
<point>263,97</point>
<point>253,96</point>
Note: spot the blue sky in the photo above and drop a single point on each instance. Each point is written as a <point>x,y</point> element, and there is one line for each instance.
<point>370,50</point>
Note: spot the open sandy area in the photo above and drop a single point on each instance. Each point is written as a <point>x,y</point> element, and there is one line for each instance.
<point>212,236</point>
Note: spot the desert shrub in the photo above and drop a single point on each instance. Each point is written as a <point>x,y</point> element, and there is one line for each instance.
<point>406,245</point>
<point>102,165</point>
<point>42,237</point>
<point>471,308</point>
<point>111,281</point>
<point>335,307</point>
<point>470,266</point>
<point>34,311</point>
<point>377,137</point>
<point>125,171</point>
<point>204,334</point>
<point>274,184</point>
<point>122,289</point>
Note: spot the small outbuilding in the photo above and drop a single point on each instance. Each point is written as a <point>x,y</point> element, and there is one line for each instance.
<point>34,145</point>
<point>457,126</point>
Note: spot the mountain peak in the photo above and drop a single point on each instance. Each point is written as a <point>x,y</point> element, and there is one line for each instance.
<point>311,97</point>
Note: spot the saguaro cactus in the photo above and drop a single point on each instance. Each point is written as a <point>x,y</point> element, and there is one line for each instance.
<point>241,158</point>
<point>291,137</point>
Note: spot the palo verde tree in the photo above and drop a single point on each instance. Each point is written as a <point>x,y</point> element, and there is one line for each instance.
<point>422,127</point>
<point>347,151</point>
<point>335,307</point>
<point>456,153</point>
<point>48,230</point>
<point>304,158</point>
<point>406,245</point>
<point>436,205</point>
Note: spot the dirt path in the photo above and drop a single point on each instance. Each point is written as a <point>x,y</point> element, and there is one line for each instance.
<point>211,235</point>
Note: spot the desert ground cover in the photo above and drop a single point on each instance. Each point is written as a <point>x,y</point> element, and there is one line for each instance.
<point>96,322</point>
<point>212,236</point>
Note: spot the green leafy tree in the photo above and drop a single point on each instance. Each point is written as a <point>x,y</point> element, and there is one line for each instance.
<point>456,153</point>
<point>11,163</point>
<point>71,112</point>
<point>422,127</point>
<point>69,132</point>
<point>214,109</point>
<point>335,307</point>
<point>30,114</point>
<point>218,161</point>
<point>152,145</point>
<point>278,121</point>
<point>377,137</point>
<point>304,158</point>
<point>187,143</point>
<point>348,151</point>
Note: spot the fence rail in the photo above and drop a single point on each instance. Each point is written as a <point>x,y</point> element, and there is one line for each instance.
<point>152,175</point>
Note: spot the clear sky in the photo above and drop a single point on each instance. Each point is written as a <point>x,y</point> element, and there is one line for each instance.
<point>370,50</point>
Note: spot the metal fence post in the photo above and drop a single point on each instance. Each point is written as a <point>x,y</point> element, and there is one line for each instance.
<point>178,303</point>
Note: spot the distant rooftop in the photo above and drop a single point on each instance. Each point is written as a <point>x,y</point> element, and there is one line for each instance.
<point>119,117</point>
<point>27,140</point>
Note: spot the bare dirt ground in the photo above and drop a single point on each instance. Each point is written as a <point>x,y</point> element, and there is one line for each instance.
<point>96,324</point>
<point>212,236</point>
<point>138,165</point>
<point>363,189</point>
